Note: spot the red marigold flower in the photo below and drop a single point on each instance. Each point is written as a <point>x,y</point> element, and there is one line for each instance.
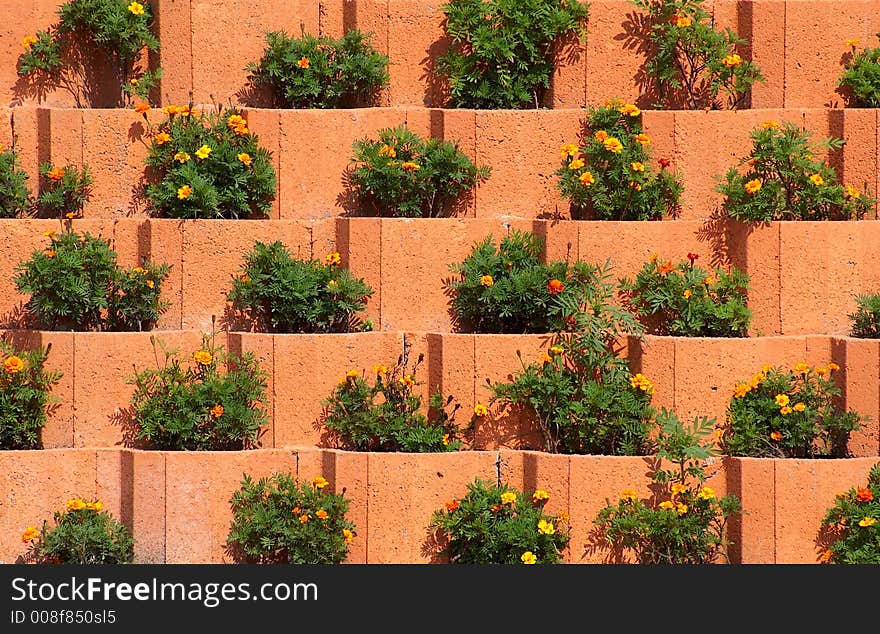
<point>692,257</point>
<point>555,286</point>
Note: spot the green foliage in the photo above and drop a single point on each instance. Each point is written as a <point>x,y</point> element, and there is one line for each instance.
<point>608,176</point>
<point>403,174</point>
<point>502,51</point>
<point>268,527</point>
<point>25,395</point>
<point>208,165</point>
<point>583,396</point>
<point>781,413</point>
<point>140,86</point>
<point>692,64</point>
<point>497,524</point>
<point>75,284</point>
<point>861,75</point>
<point>683,522</point>
<point>785,181</point>
<point>84,533</point>
<point>15,198</point>
<point>320,72</point>
<point>854,524</point>
<point>866,318</point>
<point>119,31</point>
<point>387,415</point>
<point>64,190</point>
<point>279,293</point>
<point>215,403</point>
<point>687,300</point>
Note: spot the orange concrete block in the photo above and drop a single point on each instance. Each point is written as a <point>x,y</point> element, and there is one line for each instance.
<point>568,84</point>
<point>62,129</point>
<point>265,123</point>
<point>655,358</point>
<point>858,381</point>
<point>161,240</point>
<point>450,365</point>
<point>174,28</point>
<point>262,346</point>
<point>765,32</point>
<point>147,503</point>
<point>755,249</point>
<point>660,126</point>
<point>415,37</point>
<point>861,157</point>
<point>58,431</point>
<point>359,243</point>
<point>190,497</point>
<point>347,473</point>
<point>616,54</point>
<point>561,239</point>
<point>753,482</point>
<point>114,482</point>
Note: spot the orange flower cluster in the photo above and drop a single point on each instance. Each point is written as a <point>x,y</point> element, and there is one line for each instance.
<point>237,124</point>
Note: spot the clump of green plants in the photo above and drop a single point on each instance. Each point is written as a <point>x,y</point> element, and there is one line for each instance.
<point>119,31</point>
<point>783,179</point>
<point>861,75</point>
<point>279,293</point>
<point>279,520</point>
<point>76,284</point>
<point>865,320</point>
<point>502,53</point>
<point>687,300</point>
<point>25,395</point>
<point>208,165</point>
<point>320,72</point>
<point>214,402</point>
<point>582,395</point>
<point>505,288</point>
<point>15,198</point>
<point>498,524</point>
<point>683,522</point>
<point>693,65</point>
<point>381,412</point>
<point>788,413</point>
<point>64,191</point>
<point>403,174</point>
<point>852,524</point>
<point>84,533</point>
<point>609,174</point>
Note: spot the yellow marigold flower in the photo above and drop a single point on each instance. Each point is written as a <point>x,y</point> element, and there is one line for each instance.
<point>545,527</point>
<point>508,497</point>
<point>49,234</point>
<point>708,281</point>
<point>303,518</point>
<point>770,125</point>
<point>852,192</point>
<point>776,435</point>
<point>546,358</point>
<point>407,381</point>
<point>682,21</point>
<point>677,488</point>
<point>613,145</point>
<point>13,364</point>
<point>782,400</point>
<point>161,138</point>
<point>653,257</point>
<point>446,439</point>
<point>821,371</point>
<point>76,504</point>
<point>480,410</point>
<point>134,81</point>
<point>332,285</point>
<point>528,557</point>
<point>600,136</point>
<point>319,482</point>
<point>817,180</point>
<point>150,283</point>
<point>576,164</point>
<point>97,505</point>
<point>348,535</point>
<point>766,368</point>
<point>785,411</point>
<point>203,357</point>
<point>867,521</point>
<point>29,534</point>
<point>799,407</point>
<point>182,157</point>
<point>629,495</point>
<point>753,186</point>
<point>569,150</point>
<point>235,121</point>
<point>644,139</point>
<point>562,516</point>
<point>687,293</point>
<point>245,158</point>
<point>70,215</point>
<point>586,178</point>
<point>184,191</point>
<point>833,367</point>
<point>629,109</point>
<point>203,152</point>
<point>332,258</point>
<point>387,150</point>
<point>556,350</point>
<point>28,41</point>
<point>706,493</point>
<point>380,369</point>
<point>303,62</point>
<point>741,390</point>
<point>351,374</point>
<point>540,495</point>
<point>666,505</point>
<point>641,382</point>
<point>732,60</point>
<point>410,166</point>
<point>136,8</point>
<point>486,280</point>
<point>217,411</point>
<point>636,186</point>
<point>637,166</point>
<point>681,508</point>
<point>852,42</point>
<point>801,368</point>
<point>321,514</point>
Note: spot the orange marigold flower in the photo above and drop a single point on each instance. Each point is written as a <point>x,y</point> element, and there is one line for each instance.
<point>150,283</point>
<point>687,293</point>
<point>50,253</point>
<point>508,497</point>
<point>682,21</point>
<point>629,495</point>
<point>637,166</point>
<point>70,215</point>
<point>556,350</point>
<point>446,439</point>
<point>319,482</point>
<point>741,390</point>
<point>833,367</point>
<point>667,505</point>
<point>49,234</point>
<point>852,42</point>
<point>136,8</point>
<point>600,136</point>
<point>480,410</point>
<point>182,157</point>
<point>245,158</point>
<point>321,514</point>
<point>29,534</point>
<point>203,357</point>
<point>28,41</point>
<point>782,400</point>
<point>770,125</point>
<point>576,164</point>
<point>407,381</point>
<point>303,62</point>
<point>643,139</point>
<point>864,495</point>
<point>665,268</point>
<point>826,556</point>
<point>333,258</point>
<point>706,493</point>
<point>348,535</point>
<point>452,507</point>
<point>613,145</point>
<point>303,518</point>
<point>678,488</point>
<point>776,435</point>
<point>817,180</point>
<point>184,191</point>
<point>75,504</point>
<point>351,374</point>
<point>387,150</point>
<point>380,369</point>
<point>785,411</point>
<point>13,364</point>
<point>486,280</point>
<point>799,407</point>
<point>161,138</point>
<point>586,179</point>
<point>55,174</point>
<point>142,108</point>
<point>540,495</point>
<point>217,411</point>
<point>732,60</point>
<point>410,166</point>
<point>546,358</point>
<point>852,192</point>
<point>569,150</point>
<point>801,368</point>
<point>821,371</point>
<point>753,186</point>
<point>629,109</point>
<point>555,286</point>
<point>545,527</point>
<point>681,508</point>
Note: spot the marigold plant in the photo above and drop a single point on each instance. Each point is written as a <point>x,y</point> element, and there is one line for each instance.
<point>683,521</point>
<point>279,520</point>
<point>380,411</point>
<point>320,72</point>
<point>279,293</point>
<point>503,52</point>
<point>84,533</point>
<point>208,165</point>
<point>76,284</point>
<point>788,413</point>
<point>25,395</point>
<point>861,76</point>
<point>784,179</point>
<point>15,198</point>
<point>119,31</point>
<point>213,400</point>
<point>498,524</point>
<point>852,524</point>
<point>865,320</point>
<point>610,175</point>
<point>692,64</point>
<point>404,174</point>
<point>687,300</point>
<point>64,191</point>
<point>507,289</point>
